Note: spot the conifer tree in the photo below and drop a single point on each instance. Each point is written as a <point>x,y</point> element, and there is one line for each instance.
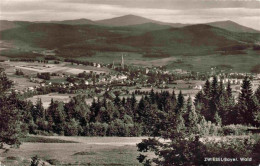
<point>123,102</point>
<point>207,89</point>
<point>39,111</point>
<point>104,102</point>
<point>246,104</point>
<point>10,117</point>
<point>187,111</point>
<point>214,99</point>
<point>180,103</point>
<point>191,117</point>
<point>141,109</point>
<point>229,90</point>
<point>198,98</point>
<point>221,90</point>
<point>152,96</point>
<point>133,101</point>
<point>214,86</point>
<point>217,119</point>
<point>180,123</point>
<point>257,94</point>
<point>56,115</point>
<point>117,101</point>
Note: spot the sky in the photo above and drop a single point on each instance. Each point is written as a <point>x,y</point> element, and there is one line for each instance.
<point>244,12</point>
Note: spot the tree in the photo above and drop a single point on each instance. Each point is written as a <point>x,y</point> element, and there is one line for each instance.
<point>72,128</point>
<point>214,99</point>
<point>198,98</point>
<point>180,103</point>
<point>38,111</point>
<point>206,89</point>
<point>181,149</point>
<point>217,119</point>
<point>5,83</point>
<point>10,118</point>
<point>247,106</point>
<point>133,101</point>
<point>117,100</point>
<point>152,96</point>
<point>191,118</point>
<point>229,90</point>
<point>56,113</point>
<point>104,115</point>
<point>257,94</point>
<point>141,112</point>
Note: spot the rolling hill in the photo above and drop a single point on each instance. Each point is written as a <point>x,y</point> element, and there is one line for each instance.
<point>4,24</point>
<point>148,27</point>
<point>129,20</point>
<point>190,39</point>
<point>232,26</point>
<point>81,21</point>
<point>79,39</point>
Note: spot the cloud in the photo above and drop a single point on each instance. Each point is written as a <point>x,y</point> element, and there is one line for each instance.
<point>175,4</point>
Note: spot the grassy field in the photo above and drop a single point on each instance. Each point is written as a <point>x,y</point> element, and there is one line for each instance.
<point>95,151</point>
<point>87,151</point>
<point>198,63</point>
<point>237,63</point>
<point>46,99</point>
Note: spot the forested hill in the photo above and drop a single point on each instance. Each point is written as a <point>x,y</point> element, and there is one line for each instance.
<point>190,39</point>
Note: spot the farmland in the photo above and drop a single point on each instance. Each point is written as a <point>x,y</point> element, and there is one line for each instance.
<point>46,99</point>
<point>87,151</point>
<point>52,68</point>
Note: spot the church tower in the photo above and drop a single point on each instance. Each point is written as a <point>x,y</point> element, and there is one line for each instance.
<point>122,62</point>
<point>113,66</point>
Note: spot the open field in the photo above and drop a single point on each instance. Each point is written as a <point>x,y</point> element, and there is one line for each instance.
<point>36,67</point>
<point>96,151</point>
<point>88,151</point>
<point>198,63</point>
<point>46,99</point>
<point>21,83</point>
<point>237,63</point>
<point>89,68</point>
<point>154,62</point>
<point>129,58</point>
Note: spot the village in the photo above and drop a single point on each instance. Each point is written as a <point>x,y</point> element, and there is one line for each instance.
<point>61,80</point>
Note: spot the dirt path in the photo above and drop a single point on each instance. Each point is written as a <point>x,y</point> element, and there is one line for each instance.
<point>113,141</point>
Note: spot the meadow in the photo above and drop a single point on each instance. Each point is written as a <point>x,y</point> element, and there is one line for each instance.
<point>107,151</point>
<point>229,63</point>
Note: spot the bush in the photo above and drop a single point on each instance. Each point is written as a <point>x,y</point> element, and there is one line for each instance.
<point>234,130</point>
<point>190,151</point>
<point>72,128</point>
<point>207,128</point>
<point>45,76</point>
<point>246,147</point>
<point>35,161</point>
<point>98,129</point>
<point>118,128</point>
<point>134,130</point>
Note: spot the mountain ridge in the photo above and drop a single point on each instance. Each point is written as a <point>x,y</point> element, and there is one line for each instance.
<point>81,38</point>
<point>232,26</point>
<point>131,20</point>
